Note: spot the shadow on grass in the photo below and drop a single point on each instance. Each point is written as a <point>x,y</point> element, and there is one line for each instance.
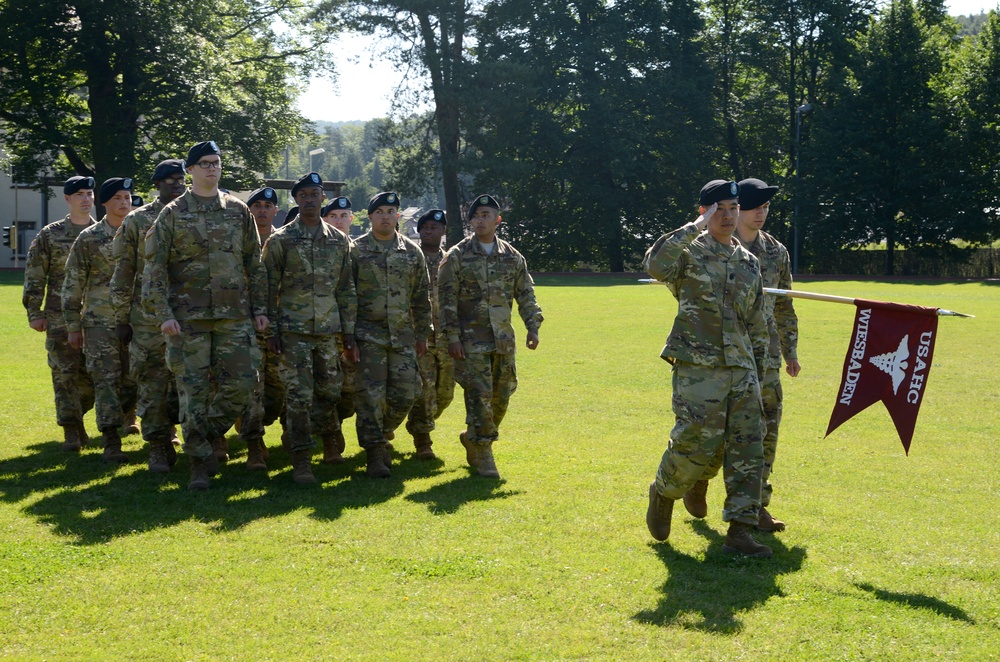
<point>707,594</point>
<point>918,601</point>
<point>91,502</point>
<point>447,498</point>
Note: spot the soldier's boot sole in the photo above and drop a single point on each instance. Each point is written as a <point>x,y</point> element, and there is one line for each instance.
<point>739,541</point>
<point>471,455</point>
<point>659,514</point>
<point>767,523</point>
<point>694,499</point>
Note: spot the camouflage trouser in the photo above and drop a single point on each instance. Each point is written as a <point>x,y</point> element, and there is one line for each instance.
<point>157,403</point>
<point>310,371</point>
<point>489,379</point>
<point>437,390</point>
<point>348,389</point>
<point>215,363</point>
<point>387,384</point>
<point>72,385</point>
<point>267,402</point>
<point>716,408</point>
<point>770,393</point>
<point>107,363</point>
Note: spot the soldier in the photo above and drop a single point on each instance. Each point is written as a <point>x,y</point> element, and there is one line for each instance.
<point>718,347</point>
<point>479,279</point>
<point>157,401</point>
<point>338,214</point>
<point>393,323</point>
<point>437,368</point>
<point>268,402</point>
<point>783,331</point>
<point>90,317</point>
<point>311,299</point>
<point>203,281</point>
<point>44,272</point>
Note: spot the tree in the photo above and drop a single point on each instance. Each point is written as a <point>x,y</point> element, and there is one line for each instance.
<point>109,89</point>
<point>883,162</point>
<point>428,36</point>
<point>594,118</point>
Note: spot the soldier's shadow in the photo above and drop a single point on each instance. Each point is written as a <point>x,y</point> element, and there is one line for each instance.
<point>447,498</point>
<point>90,502</point>
<point>706,594</point>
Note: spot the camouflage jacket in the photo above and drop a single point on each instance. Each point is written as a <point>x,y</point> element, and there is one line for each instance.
<point>720,315</point>
<point>130,258</point>
<point>310,281</point>
<point>45,270</point>
<point>477,292</point>
<point>203,262</point>
<point>433,262</point>
<point>86,293</point>
<point>393,306</point>
<point>782,323</point>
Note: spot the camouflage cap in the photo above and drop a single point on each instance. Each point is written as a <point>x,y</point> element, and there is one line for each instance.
<point>112,186</point>
<point>74,184</point>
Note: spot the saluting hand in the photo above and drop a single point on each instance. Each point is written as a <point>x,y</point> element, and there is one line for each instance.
<point>702,221</point>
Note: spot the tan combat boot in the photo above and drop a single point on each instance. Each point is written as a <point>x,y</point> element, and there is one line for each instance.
<point>694,499</point>
<point>486,465</point>
<point>71,438</point>
<point>659,514</point>
<point>332,448</point>
<point>255,455</point>
<point>422,442</point>
<point>82,431</point>
<point>175,440</point>
<point>389,436</point>
<point>130,427</point>
<point>159,463</point>
<point>199,474</point>
<point>113,446</point>
<point>471,450</point>
<point>739,541</point>
<point>220,447</point>
<point>767,523</point>
<point>375,459</point>
<point>302,472</point>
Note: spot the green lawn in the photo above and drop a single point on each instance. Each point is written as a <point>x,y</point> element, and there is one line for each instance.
<point>885,556</point>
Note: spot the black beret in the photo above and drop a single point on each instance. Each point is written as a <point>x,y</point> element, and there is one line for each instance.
<point>201,149</point>
<point>74,184</point>
<point>312,179</point>
<point>112,186</point>
<point>754,193</point>
<point>718,190</point>
<point>483,201</point>
<point>336,204</point>
<point>168,168</point>
<point>385,198</point>
<point>290,216</point>
<point>265,194</point>
<point>431,215</point>
<point>137,201</point>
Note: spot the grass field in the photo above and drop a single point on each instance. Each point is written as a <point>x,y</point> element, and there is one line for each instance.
<point>885,556</point>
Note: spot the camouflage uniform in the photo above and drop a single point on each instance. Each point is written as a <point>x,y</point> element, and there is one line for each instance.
<point>718,347</point>
<point>393,312</point>
<point>44,272</point>
<point>86,297</point>
<point>783,330</point>
<point>476,292</point>
<point>437,368</point>
<point>157,399</point>
<point>203,269</point>
<point>311,299</point>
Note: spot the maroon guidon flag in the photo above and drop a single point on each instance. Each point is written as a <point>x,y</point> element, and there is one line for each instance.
<point>889,359</point>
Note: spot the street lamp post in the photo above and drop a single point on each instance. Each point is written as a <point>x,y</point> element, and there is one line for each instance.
<point>312,153</point>
<point>804,109</point>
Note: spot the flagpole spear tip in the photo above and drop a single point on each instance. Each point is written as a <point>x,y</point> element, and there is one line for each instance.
<point>951,313</point>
